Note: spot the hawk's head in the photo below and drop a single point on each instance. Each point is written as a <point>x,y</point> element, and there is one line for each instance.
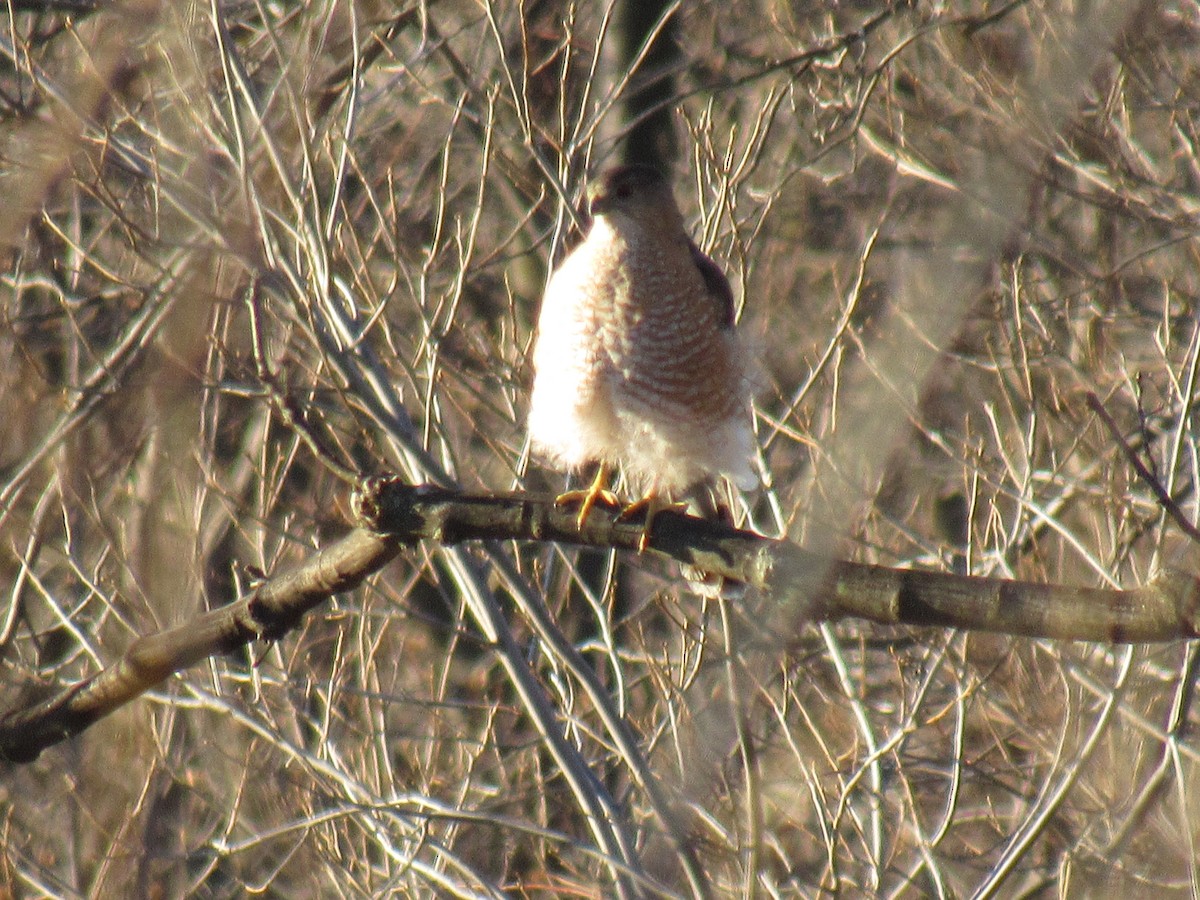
<point>636,191</point>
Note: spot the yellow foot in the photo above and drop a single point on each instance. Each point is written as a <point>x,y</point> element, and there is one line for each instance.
<point>653,504</point>
<point>598,492</point>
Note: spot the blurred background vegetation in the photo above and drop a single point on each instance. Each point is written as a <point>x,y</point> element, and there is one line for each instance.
<point>945,224</point>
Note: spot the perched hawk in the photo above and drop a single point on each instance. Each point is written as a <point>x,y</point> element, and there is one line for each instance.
<point>638,365</point>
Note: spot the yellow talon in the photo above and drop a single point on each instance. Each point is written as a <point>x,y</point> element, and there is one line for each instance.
<point>597,492</point>
<point>653,504</point>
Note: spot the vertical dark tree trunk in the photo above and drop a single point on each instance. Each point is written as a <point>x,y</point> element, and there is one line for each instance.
<point>648,113</point>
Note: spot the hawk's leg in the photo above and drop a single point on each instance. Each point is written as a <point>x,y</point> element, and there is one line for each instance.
<point>597,493</point>
<point>653,504</point>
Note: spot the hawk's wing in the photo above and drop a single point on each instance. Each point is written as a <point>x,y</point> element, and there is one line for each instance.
<point>717,284</point>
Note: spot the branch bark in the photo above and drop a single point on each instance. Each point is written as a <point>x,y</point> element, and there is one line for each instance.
<point>809,586</point>
<point>272,609</point>
<point>802,587</point>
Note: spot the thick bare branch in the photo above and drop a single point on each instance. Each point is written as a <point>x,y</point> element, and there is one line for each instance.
<point>804,586</point>
<point>812,587</point>
<point>272,609</point>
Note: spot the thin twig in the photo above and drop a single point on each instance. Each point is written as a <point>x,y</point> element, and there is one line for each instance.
<point>1160,493</point>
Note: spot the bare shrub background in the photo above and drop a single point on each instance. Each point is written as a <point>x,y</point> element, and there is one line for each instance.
<point>398,179</point>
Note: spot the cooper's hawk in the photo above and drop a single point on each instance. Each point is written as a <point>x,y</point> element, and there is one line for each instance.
<point>637,361</point>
